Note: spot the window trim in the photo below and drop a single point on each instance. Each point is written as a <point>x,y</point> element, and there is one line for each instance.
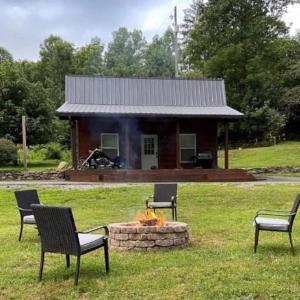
<point>189,148</point>
<point>111,148</point>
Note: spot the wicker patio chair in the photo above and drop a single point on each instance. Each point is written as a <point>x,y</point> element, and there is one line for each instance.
<point>165,196</point>
<point>279,225</point>
<point>24,200</point>
<point>59,235</point>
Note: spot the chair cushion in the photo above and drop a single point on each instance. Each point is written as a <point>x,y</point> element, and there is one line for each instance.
<point>90,241</point>
<point>272,224</point>
<point>160,204</point>
<point>29,219</point>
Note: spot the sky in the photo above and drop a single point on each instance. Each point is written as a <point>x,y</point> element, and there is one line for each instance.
<point>24,24</point>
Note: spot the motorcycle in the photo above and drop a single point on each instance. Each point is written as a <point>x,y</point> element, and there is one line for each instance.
<point>98,159</point>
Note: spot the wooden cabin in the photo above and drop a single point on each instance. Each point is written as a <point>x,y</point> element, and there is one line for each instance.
<point>154,124</point>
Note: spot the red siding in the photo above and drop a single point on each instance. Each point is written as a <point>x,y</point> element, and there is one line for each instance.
<point>90,130</point>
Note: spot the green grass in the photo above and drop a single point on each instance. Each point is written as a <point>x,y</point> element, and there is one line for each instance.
<point>33,166</point>
<point>37,161</point>
<point>280,155</point>
<point>218,264</point>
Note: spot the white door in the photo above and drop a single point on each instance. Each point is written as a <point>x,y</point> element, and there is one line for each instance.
<point>149,151</point>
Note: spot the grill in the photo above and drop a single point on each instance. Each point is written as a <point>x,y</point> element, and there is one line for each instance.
<point>204,159</point>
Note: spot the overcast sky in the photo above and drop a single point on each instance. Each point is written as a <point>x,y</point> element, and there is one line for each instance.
<point>24,24</point>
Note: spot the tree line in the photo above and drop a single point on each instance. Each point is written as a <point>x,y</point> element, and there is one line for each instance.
<point>36,89</point>
<point>245,42</point>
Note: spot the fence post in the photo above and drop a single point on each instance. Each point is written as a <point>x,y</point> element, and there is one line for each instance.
<point>24,143</point>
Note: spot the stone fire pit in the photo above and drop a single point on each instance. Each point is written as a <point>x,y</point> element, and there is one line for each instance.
<point>133,236</point>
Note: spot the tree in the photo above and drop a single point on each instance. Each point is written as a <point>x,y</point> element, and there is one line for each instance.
<point>159,56</point>
<point>5,55</point>
<point>124,56</point>
<point>241,41</point>
<point>216,24</point>
<point>56,61</point>
<point>88,60</point>
<point>20,97</point>
<point>290,100</point>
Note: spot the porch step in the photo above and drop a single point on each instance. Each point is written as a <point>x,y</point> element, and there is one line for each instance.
<point>160,175</point>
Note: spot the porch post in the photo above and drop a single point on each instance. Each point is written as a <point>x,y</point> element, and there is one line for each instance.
<point>177,144</point>
<point>127,143</point>
<point>74,142</point>
<point>226,162</point>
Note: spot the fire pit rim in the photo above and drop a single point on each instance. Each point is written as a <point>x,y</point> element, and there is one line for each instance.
<point>127,224</point>
<point>172,235</point>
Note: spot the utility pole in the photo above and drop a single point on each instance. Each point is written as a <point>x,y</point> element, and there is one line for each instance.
<point>24,143</point>
<point>175,41</point>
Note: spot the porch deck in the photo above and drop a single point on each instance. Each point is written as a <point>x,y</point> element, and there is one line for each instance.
<point>160,175</point>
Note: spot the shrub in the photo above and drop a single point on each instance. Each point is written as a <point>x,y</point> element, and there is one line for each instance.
<point>37,153</point>
<point>8,152</point>
<point>54,151</point>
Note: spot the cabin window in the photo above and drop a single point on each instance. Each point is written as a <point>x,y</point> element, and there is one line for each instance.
<point>110,144</point>
<point>187,148</point>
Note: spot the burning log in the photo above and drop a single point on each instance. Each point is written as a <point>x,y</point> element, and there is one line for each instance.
<point>149,218</point>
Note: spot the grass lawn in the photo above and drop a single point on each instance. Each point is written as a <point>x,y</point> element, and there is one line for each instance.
<point>37,160</point>
<point>280,155</point>
<point>33,166</point>
<point>218,264</point>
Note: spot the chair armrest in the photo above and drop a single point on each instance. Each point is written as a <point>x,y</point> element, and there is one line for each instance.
<point>24,209</point>
<point>273,210</point>
<point>174,199</point>
<point>275,213</point>
<point>94,229</point>
<point>148,199</point>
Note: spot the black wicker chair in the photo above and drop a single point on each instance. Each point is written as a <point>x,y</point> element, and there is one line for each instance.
<point>59,235</point>
<point>165,196</point>
<point>24,200</point>
<point>278,225</point>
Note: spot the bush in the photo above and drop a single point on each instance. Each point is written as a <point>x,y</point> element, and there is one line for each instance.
<point>53,151</point>
<point>8,152</point>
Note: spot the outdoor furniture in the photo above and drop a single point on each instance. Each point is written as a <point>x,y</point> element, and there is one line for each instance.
<point>24,200</point>
<point>58,234</point>
<point>280,225</point>
<point>165,196</point>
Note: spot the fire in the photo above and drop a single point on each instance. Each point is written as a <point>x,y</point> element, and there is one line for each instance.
<point>149,218</point>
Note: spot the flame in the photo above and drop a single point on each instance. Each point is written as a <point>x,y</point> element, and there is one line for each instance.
<point>149,218</point>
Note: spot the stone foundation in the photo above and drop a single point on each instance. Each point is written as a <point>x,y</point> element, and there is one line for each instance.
<point>31,176</point>
<point>132,236</point>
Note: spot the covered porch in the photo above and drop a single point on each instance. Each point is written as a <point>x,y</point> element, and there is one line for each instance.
<point>150,143</point>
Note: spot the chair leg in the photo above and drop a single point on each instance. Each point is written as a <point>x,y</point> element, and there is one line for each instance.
<point>21,231</point>
<point>77,270</point>
<point>173,216</point>
<point>68,260</point>
<point>106,255</point>
<point>256,239</point>
<point>41,265</point>
<point>175,213</point>
<point>291,242</point>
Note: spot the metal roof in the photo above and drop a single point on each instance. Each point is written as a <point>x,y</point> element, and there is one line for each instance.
<point>90,95</point>
<point>69,109</point>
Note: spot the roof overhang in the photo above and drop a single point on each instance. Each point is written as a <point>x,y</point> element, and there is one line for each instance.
<point>93,110</point>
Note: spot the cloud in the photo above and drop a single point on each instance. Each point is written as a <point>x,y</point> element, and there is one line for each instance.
<point>25,24</point>
<point>292,18</point>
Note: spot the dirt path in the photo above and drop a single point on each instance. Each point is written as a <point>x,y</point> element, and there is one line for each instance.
<point>89,185</point>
